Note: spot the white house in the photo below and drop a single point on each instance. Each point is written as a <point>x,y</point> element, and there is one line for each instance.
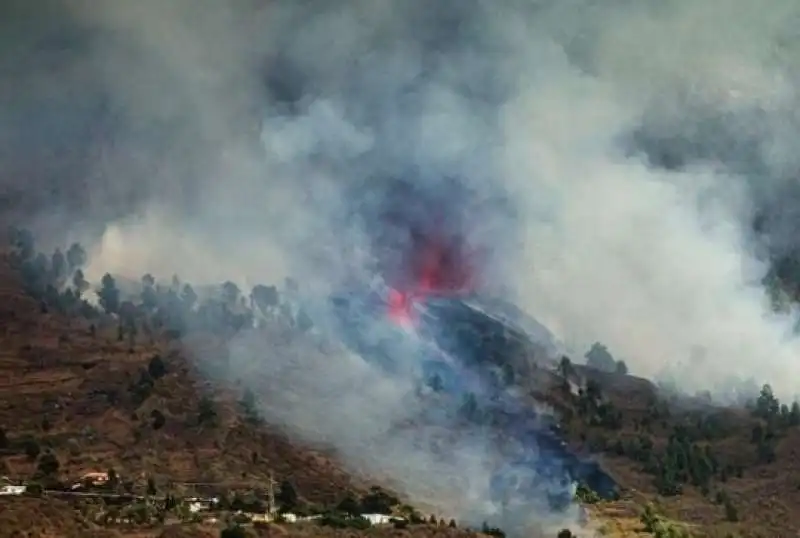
<point>197,504</point>
<point>379,519</point>
<point>94,479</point>
<point>12,490</point>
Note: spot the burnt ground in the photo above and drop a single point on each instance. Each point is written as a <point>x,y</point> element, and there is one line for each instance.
<point>71,390</point>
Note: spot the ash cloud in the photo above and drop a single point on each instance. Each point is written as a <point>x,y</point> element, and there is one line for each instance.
<point>613,154</point>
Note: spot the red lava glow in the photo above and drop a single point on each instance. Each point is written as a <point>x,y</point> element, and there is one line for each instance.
<point>400,307</point>
<point>437,268</point>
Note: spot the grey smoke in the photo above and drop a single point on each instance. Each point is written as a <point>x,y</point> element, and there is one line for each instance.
<point>616,153</point>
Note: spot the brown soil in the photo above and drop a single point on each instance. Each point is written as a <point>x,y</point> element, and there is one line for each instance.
<point>68,390</point>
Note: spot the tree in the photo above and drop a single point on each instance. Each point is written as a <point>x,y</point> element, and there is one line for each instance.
<point>377,501</point>
<point>76,257</point>
<point>492,531</point>
<point>286,497</point>
<point>230,293</point>
<point>3,439</point>
<point>350,506</point>
<point>149,295</point>
<point>33,278</point>
<point>151,487</point>
<point>58,265</point>
<point>264,297</point>
<point>565,367</point>
<point>79,283</point>
<point>24,243</point>
<point>622,368</point>
<point>249,406</point>
<point>767,405</point>
<point>32,449</point>
<point>189,297</point>
<point>205,410</point>
<point>765,451</point>
<point>757,434</point>
<point>48,464</point>
<point>109,294</point>
<point>156,367</point>
<point>565,533</point>
<point>593,390</point>
<point>794,414</point>
<point>598,357</point>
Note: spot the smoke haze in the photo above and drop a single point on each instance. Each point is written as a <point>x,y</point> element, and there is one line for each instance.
<point>613,156</point>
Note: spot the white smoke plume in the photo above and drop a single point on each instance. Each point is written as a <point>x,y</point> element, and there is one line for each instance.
<point>572,109</point>
<point>616,153</point>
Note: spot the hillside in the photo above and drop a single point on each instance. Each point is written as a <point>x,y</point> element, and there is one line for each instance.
<point>82,392</point>
<point>75,392</point>
<point>724,471</point>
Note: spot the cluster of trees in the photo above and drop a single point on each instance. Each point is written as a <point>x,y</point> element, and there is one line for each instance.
<point>688,458</point>
<point>596,410</point>
<point>768,408</point>
<point>773,421</point>
<point>173,308</point>
<point>56,279</point>
<point>591,407</point>
<point>683,461</point>
<point>599,358</point>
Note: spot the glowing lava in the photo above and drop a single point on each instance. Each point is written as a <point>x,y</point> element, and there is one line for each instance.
<point>437,267</point>
<point>400,307</point>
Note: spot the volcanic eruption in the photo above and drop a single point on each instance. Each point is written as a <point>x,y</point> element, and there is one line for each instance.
<point>428,259</point>
<point>437,265</point>
<point>422,247</point>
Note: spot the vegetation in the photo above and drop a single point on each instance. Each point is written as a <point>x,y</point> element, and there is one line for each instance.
<point>681,450</point>
<point>659,526</point>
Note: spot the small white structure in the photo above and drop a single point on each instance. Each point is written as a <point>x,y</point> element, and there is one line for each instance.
<point>286,517</point>
<point>95,479</point>
<point>380,519</point>
<point>12,490</point>
<point>196,504</point>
